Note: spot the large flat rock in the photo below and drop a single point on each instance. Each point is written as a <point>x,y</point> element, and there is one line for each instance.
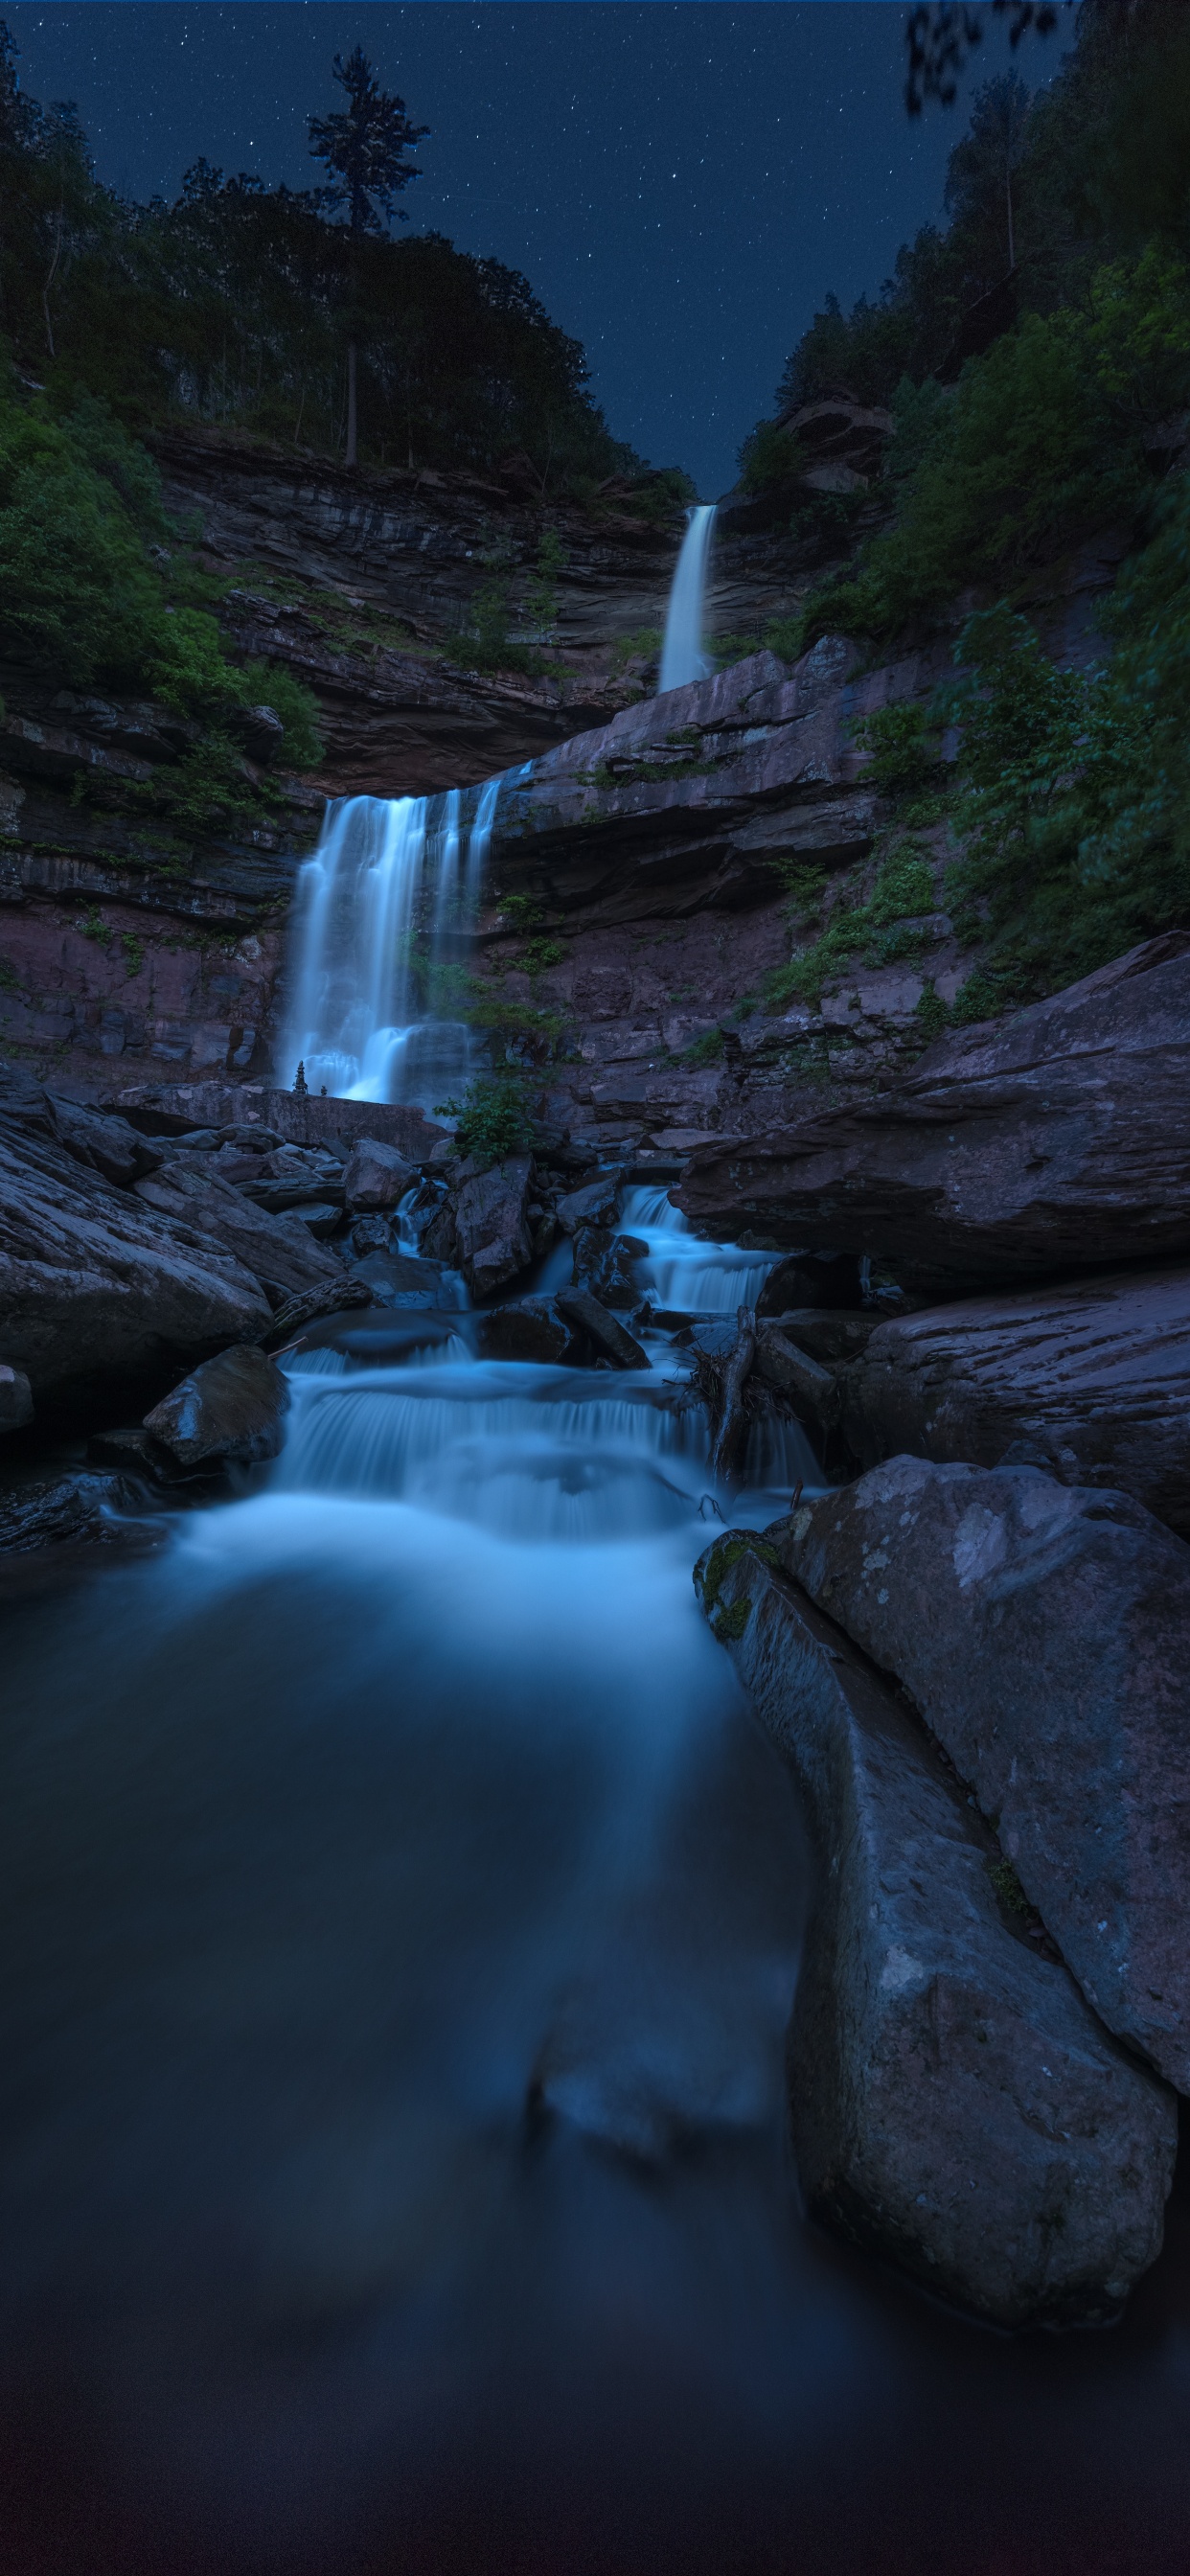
<point>1059,1139</point>
<point>1044,1634</point>
<point>955,2105</point>
<point>1094,1377</point>
<point>170,1108</point>
<point>96,1286</point>
<point>278,1248</point>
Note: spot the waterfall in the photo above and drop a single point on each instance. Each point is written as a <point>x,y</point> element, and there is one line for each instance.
<point>381,909</point>
<point>682,656</point>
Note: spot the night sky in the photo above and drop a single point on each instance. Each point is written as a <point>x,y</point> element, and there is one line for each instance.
<point>682,182</point>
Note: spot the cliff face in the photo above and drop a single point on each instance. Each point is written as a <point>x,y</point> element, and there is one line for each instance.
<point>653,840</point>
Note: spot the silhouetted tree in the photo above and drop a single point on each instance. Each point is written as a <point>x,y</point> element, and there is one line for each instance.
<point>366,148</point>
<point>980,171</point>
<point>941,33</point>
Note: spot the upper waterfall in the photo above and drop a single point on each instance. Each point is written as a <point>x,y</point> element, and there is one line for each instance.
<point>682,656</point>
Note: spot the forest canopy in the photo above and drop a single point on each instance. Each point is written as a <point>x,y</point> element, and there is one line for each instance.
<point>237,304</point>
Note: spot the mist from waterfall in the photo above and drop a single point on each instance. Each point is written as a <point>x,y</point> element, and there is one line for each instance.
<point>682,656</point>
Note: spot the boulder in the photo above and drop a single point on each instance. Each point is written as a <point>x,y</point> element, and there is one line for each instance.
<point>1093,1377</point>
<point>16,1398</point>
<point>79,1508</point>
<point>1044,1634</point>
<point>97,1288</point>
<point>533,1329</point>
<point>955,2107</point>
<point>400,1279</point>
<point>277,1248</point>
<point>604,1264</point>
<point>375,1176</point>
<point>1057,1139</point>
<point>609,1337</point>
<point>228,1412</point>
<point>491,1224</point>
<point>827,1333</point>
<point>596,1204</point>
<point>810,1279</point>
<point>321,1218</point>
<point>109,1145</point>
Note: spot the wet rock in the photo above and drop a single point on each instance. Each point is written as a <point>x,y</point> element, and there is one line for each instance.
<point>1094,1378</point>
<point>78,1508</point>
<point>96,1286</point>
<point>955,2106</point>
<point>375,1176</point>
<point>130,1446</point>
<point>810,1279</point>
<point>1044,1634</point>
<point>16,1398</point>
<point>491,1224</point>
<point>401,1279</point>
<point>1053,1140</point>
<point>277,1248</point>
<point>321,1217</point>
<point>609,1337</point>
<point>439,1240</point>
<point>597,1204</point>
<point>604,1264</point>
<point>372,1234</point>
<point>533,1329</point>
<point>229,1412</point>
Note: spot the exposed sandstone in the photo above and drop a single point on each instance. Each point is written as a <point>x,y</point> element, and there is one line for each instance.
<point>278,1249</point>
<point>375,1175</point>
<point>491,1225</point>
<point>1094,1379</point>
<point>955,2106</point>
<point>1056,1139</point>
<point>1044,1634</point>
<point>229,1412</point>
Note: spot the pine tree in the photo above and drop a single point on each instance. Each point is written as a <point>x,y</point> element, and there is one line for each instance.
<point>366,149</point>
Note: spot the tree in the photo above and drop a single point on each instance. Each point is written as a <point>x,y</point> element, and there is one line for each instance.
<point>980,171</point>
<point>941,33</point>
<point>366,149</point>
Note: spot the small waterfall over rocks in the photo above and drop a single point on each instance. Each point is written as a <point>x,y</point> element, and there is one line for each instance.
<point>682,656</point>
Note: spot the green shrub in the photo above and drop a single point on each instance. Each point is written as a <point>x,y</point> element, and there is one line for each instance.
<point>882,928</point>
<point>494,1117</point>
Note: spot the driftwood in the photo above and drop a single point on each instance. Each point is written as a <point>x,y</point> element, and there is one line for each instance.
<point>731,1439</point>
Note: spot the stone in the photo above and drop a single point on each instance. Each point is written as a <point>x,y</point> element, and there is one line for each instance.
<point>375,1176</point>
<point>955,2106</point>
<point>533,1329</point>
<point>604,1264</point>
<point>277,1248</point>
<point>321,1217</point>
<point>810,1279</point>
<point>16,1398</point>
<point>228,1412</point>
<point>1044,1633</point>
<point>400,1279</point>
<point>491,1224</point>
<point>1056,1139</point>
<point>609,1336</point>
<point>1094,1377</point>
<point>77,1508</point>
<point>97,1288</point>
<point>110,1145</point>
<point>598,1203</point>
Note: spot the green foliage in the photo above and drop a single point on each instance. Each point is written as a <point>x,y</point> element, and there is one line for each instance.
<point>901,742</point>
<point>134,952</point>
<point>539,955</point>
<point>632,648</point>
<point>521,912</point>
<point>1075,806</point>
<point>93,926</point>
<point>769,457</point>
<point>883,928</point>
<point>495,1117</point>
<point>704,1050</point>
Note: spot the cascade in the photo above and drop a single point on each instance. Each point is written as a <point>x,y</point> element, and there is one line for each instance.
<point>682,656</point>
<point>381,921</point>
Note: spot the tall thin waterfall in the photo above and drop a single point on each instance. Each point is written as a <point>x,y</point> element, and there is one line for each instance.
<point>381,909</point>
<point>682,656</point>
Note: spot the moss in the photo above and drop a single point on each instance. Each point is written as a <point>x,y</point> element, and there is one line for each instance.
<point>1008,1887</point>
<point>93,926</point>
<point>707,1049</point>
<point>712,1570</point>
<point>134,952</point>
<point>729,1625</point>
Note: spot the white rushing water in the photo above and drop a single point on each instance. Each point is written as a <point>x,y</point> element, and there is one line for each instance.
<point>682,656</point>
<point>380,932</point>
<point>682,1271</point>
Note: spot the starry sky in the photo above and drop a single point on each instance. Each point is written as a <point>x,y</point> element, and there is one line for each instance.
<point>682,181</point>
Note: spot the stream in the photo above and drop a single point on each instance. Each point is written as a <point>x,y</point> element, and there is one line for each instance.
<point>403,1917</point>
